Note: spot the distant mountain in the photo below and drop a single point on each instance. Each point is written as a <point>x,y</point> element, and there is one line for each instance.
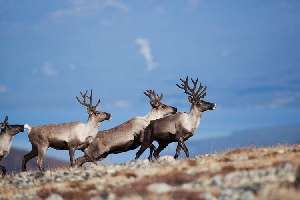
<point>13,162</point>
<point>269,136</point>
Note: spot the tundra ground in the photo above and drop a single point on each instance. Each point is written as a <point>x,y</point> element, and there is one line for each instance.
<point>246,173</point>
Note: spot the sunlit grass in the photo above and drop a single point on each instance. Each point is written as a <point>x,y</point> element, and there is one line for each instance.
<point>137,181</point>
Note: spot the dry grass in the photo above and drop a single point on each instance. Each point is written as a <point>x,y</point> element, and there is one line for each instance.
<point>72,190</point>
<point>140,186</point>
<point>257,158</point>
<point>184,194</point>
<point>175,175</point>
<point>283,194</point>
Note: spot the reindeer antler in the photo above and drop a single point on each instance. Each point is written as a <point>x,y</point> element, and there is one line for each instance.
<point>200,93</point>
<point>90,105</point>
<point>5,120</point>
<point>154,98</point>
<point>91,100</point>
<point>84,99</point>
<point>4,124</point>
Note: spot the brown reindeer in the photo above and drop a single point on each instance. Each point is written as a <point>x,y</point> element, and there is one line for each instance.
<point>126,136</point>
<point>68,136</point>
<point>178,127</point>
<point>6,137</point>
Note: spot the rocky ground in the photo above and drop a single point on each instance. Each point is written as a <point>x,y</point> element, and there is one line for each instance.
<point>248,173</point>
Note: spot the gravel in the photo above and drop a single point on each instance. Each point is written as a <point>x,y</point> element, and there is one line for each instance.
<point>242,175</point>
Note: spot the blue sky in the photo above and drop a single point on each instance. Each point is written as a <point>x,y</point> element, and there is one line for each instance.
<point>247,52</point>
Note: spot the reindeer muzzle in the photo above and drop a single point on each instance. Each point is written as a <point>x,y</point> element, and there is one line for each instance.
<point>215,106</point>
<point>174,110</point>
<point>15,126</point>
<point>108,116</point>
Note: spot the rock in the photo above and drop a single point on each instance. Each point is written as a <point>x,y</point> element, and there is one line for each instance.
<point>166,158</point>
<point>212,177</point>
<point>236,194</point>
<point>297,178</point>
<point>217,181</point>
<point>280,151</point>
<point>207,196</point>
<point>54,197</point>
<point>111,170</point>
<point>159,188</point>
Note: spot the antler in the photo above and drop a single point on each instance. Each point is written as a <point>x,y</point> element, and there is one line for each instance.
<point>6,119</point>
<point>192,91</point>
<point>90,105</point>
<point>4,124</point>
<point>154,98</point>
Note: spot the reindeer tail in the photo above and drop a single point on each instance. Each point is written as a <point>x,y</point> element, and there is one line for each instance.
<point>28,127</point>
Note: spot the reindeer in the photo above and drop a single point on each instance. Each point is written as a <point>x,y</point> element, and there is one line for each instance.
<point>178,127</point>
<point>126,136</point>
<point>68,136</point>
<point>6,137</point>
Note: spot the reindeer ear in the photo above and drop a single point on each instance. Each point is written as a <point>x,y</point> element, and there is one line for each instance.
<point>154,104</point>
<point>190,99</point>
<point>6,119</point>
<point>89,111</point>
<point>157,104</point>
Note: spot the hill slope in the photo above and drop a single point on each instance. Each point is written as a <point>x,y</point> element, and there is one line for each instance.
<point>270,136</point>
<point>247,173</point>
<point>13,162</point>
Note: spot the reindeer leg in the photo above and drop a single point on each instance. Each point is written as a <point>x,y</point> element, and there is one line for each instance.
<point>90,156</point>
<point>81,160</point>
<point>3,169</point>
<point>33,153</point>
<point>177,151</point>
<point>142,149</point>
<point>160,147</point>
<point>182,145</point>
<point>102,156</point>
<point>146,138</point>
<point>152,148</point>
<point>41,153</point>
<point>71,154</point>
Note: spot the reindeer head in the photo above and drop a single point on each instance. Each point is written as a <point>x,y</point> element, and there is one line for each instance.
<point>92,111</point>
<point>10,129</point>
<point>155,102</point>
<point>195,95</point>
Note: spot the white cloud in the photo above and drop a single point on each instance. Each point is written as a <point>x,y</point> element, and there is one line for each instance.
<point>193,3</point>
<point>118,104</point>
<point>49,70</point>
<point>122,104</point>
<point>284,98</point>
<point>225,52</point>
<point>281,101</point>
<point>160,9</point>
<point>285,5</point>
<point>146,52</point>
<point>3,89</point>
<point>82,8</point>
<point>117,4</point>
<point>72,67</point>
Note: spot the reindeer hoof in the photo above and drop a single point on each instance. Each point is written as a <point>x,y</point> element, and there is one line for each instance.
<point>4,172</point>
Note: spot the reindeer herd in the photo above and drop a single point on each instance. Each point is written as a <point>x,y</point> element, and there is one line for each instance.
<point>162,124</point>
